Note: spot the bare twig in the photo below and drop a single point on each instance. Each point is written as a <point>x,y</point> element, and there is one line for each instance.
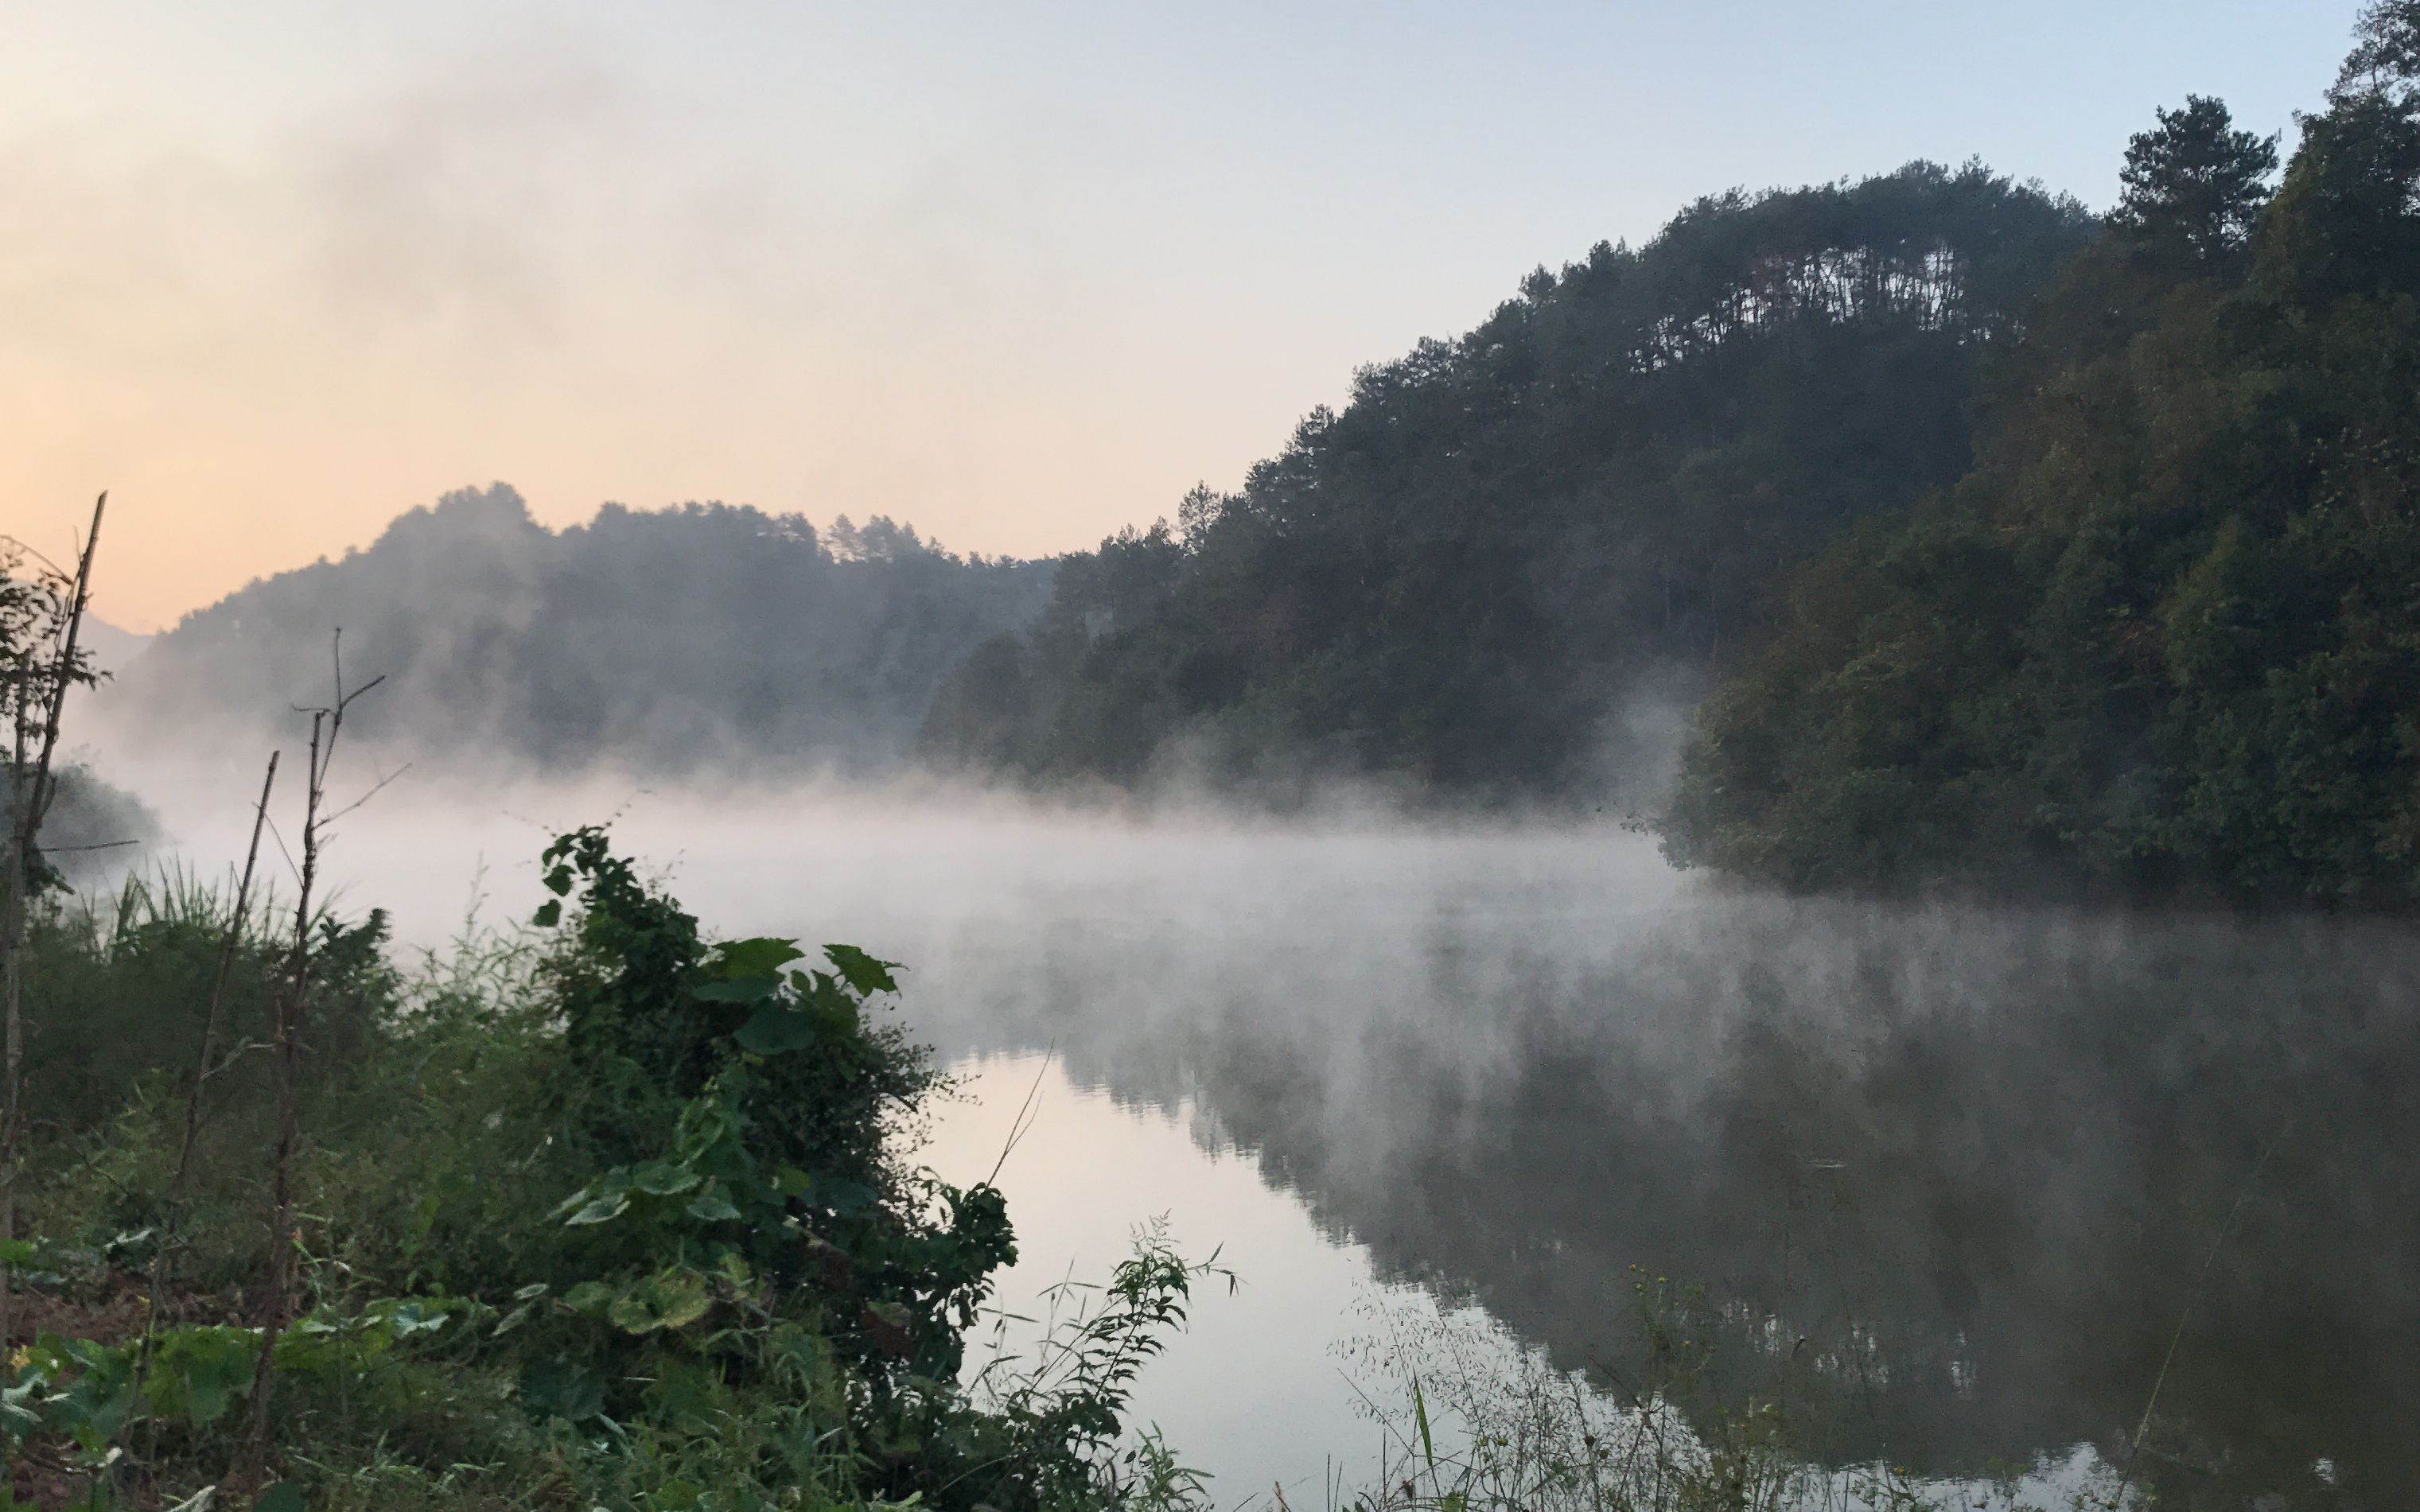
<point>203,1070</point>
<point>30,802</point>
<point>2209,1264</point>
<point>211,1017</point>
<point>98,845</point>
<point>1022,1124</point>
<point>376,788</point>
<point>292,1010</point>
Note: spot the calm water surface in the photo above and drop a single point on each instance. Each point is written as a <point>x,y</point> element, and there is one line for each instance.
<point>1975,1190</point>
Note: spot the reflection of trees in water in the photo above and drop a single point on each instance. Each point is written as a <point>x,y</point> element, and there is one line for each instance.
<point>1976,1164</point>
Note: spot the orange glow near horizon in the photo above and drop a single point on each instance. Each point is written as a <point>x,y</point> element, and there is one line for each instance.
<point>272,274</point>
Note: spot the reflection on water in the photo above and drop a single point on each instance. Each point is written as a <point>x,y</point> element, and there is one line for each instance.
<point>1250,1393</point>
<point>1968,1188</point>
<point>1996,1177</point>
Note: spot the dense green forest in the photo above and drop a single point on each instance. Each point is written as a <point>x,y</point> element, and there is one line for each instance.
<point>2016,545</point>
<point>1459,577</point>
<point>706,635</point>
<point>2166,632</point>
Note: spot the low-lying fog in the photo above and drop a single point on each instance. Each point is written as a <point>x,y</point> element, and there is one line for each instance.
<point>1959,1179</point>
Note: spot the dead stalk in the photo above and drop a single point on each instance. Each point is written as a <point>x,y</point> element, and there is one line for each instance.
<point>292,1011</point>
<point>30,802</point>
<point>204,1068</point>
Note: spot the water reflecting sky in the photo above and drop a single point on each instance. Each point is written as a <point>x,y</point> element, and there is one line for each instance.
<point>1956,1182</point>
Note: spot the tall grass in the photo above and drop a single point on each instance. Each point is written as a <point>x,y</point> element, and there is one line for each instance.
<point>600,1214</point>
<point>1471,1420</point>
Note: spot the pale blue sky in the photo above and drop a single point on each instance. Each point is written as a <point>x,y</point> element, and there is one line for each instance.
<point>1021,273</point>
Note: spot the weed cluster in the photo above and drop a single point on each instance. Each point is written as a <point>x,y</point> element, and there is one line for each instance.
<point>602,1214</point>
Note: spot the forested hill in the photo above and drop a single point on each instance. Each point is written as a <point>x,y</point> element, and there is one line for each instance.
<point>707,635</point>
<point>1460,576</point>
<point>2167,632</point>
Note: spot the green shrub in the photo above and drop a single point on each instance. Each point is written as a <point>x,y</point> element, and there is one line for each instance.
<point>604,1213</point>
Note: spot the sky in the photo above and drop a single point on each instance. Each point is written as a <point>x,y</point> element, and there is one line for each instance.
<point>274,273</point>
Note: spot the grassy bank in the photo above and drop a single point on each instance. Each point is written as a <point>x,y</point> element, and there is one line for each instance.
<point>601,1213</point>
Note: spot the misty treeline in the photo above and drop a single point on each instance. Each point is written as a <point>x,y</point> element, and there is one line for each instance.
<point>1459,578</point>
<point>2015,542</point>
<point>705,635</point>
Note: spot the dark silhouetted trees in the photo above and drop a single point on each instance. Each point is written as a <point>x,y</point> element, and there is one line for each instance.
<point>2167,632</point>
<point>705,635</point>
<point>1459,577</point>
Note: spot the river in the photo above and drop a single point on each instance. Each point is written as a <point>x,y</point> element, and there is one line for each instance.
<point>2035,1196</point>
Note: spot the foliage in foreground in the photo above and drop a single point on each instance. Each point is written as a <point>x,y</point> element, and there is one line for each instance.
<point>608,1217</point>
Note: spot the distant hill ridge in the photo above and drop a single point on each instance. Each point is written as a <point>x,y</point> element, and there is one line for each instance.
<point>112,648</point>
<point>701,636</point>
<point>1465,577</point>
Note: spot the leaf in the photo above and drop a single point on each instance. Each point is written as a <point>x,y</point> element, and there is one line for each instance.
<point>558,880</point>
<point>739,990</point>
<point>282,1497</point>
<point>130,1248</point>
<point>588,1297</point>
<point>197,1372</point>
<point>602,1209</point>
<point>775,1031</point>
<point>862,971</point>
<point>410,1318</point>
<point>841,1195</point>
<point>562,1388</point>
<point>549,914</point>
<point>675,1496</point>
<point>755,958</point>
<point>663,1179</point>
<point>713,1208</point>
<point>614,1183</point>
<point>670,1299</point>
<point>683,1298</point>
<point>890,1327</point>
<point>17,1254</point>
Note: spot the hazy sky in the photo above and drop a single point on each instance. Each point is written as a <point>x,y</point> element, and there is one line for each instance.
<point>1020,272</point>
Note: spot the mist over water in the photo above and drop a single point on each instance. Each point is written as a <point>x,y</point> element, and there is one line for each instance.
<point>1972,1187</point>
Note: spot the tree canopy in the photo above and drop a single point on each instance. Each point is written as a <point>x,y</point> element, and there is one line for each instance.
<point>705,635</point>
<point>1460,576</point>
<point>2166,632</point>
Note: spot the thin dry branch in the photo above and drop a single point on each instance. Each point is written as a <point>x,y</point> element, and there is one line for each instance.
<point>229,944</point>
<point>292,1011</point>
<point>32,801</point>
<point>203,1070</point>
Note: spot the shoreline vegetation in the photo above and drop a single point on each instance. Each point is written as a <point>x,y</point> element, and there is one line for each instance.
<point>602,1212</point>
<point>593,1215</point>
<point>2019,548</point>
<point>605,1213</point>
